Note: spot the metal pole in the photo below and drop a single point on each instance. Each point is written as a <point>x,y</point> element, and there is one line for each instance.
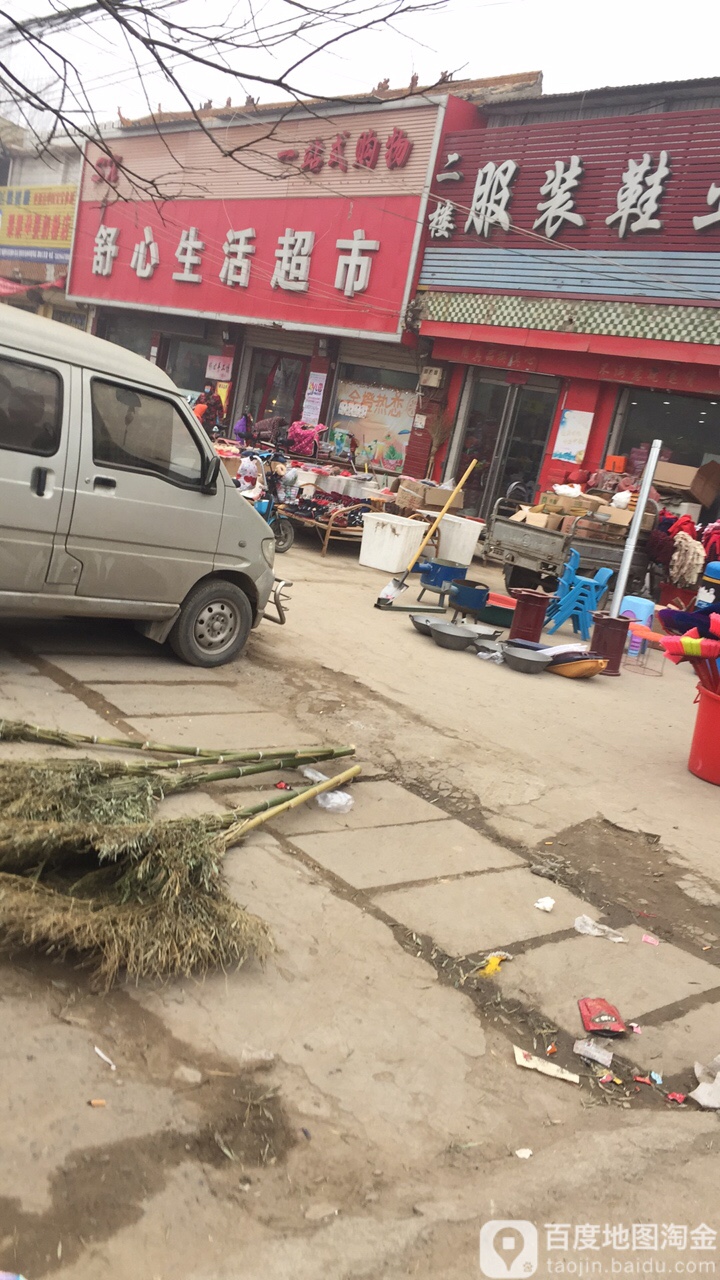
<point>634,530</point>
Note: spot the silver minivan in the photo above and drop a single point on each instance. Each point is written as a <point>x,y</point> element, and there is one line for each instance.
<point>113,502</point>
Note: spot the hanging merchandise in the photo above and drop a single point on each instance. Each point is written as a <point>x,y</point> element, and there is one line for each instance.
<point>688,560</point>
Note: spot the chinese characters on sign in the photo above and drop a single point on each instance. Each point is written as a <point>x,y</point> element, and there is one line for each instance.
<point>638,198</point>
<point>236,261</point>
<point>560,204</point>
<point>640,195</point>
<point>638,1236</point>
<point>368,148</point>
<point>36,223</point>
<point>292,269</point>
<point>292,266</point>
<point>491,197</point>
<point>353,269</point>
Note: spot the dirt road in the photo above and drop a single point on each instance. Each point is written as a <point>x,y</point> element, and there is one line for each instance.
<point>354,1110</point>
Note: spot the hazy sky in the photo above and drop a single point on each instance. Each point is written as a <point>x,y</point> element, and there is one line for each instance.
<point>576,43</point>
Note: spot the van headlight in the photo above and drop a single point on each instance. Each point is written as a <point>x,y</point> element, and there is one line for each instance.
<point>267,546</point>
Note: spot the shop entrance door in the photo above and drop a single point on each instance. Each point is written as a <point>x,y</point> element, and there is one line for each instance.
<point>506,430</point>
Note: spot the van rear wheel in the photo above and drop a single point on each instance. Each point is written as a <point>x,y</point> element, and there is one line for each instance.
<point>214,624</point>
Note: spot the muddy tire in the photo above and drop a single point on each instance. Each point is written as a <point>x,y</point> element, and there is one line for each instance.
<point>214,624</point>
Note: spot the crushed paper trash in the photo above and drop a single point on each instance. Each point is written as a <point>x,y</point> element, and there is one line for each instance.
<point>545,904</point>
<point>533,1063</point>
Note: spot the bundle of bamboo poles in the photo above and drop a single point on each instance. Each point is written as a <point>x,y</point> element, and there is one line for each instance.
<point>84,869</point>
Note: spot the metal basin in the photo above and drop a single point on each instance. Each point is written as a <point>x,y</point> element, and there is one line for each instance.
<point>526,660</point>
<point>448,636</point>
<point>423,623</point>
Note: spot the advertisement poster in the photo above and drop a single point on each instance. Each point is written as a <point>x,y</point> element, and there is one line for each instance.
<point>36,223</point>
<point>312,403</point>
<point>572,436</point>
<point>380,419</point>
<point>219,367</point>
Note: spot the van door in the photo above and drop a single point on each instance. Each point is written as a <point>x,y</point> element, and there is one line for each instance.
<point>141,526</point>
<point>34,418</point>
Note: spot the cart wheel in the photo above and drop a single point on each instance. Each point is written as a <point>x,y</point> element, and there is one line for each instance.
<point>284,534</point>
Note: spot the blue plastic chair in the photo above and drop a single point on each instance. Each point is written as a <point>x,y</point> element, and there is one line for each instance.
<point>581,601</point>
<point>566,582</point>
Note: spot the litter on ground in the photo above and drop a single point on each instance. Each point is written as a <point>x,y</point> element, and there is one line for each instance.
<point>533,1063</point>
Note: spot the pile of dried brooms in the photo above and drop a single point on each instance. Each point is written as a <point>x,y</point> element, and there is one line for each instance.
<point>85,869</point>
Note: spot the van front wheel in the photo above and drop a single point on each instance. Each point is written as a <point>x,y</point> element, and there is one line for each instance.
<point>214,624</point>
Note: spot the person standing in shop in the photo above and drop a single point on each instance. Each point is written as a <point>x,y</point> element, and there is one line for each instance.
<point>214,410</point>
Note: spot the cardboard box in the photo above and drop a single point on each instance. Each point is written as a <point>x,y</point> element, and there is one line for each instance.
<point>435,496</point>
<point>538,519</point>
<point>519,516</point>
<point>554,520</point>
<point>702,483</point>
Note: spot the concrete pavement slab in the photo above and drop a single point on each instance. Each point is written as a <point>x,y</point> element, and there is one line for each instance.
<point>377,804</point>
<point>241,732</point>
<point>39,701</point>
<point>159,668</point>
<point>635,977</point>
<point>676,1045</point>
<point>464,916</point>
<point>342,1001</point>
<point>411,851</point>
<point>165,699</point>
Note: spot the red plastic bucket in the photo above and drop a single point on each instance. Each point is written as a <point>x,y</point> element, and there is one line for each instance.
<point>704,759</point>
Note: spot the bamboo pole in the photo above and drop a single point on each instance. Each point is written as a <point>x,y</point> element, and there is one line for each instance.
<point>331,784</point>
<point>22,732</point>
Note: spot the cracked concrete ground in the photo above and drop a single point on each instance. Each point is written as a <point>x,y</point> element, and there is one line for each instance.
<point>384,1129</point>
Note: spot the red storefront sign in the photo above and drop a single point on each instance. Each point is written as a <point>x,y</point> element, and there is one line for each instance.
<point>649,182</point>
<point>321,263</point>
<point>665,375</point>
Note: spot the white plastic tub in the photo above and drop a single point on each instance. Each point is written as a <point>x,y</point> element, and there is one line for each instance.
<point>389,542</point>
<point>458,539</point>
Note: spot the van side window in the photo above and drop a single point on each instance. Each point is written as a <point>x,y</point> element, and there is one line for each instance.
<point>139,432</point>
<point>30,408</point>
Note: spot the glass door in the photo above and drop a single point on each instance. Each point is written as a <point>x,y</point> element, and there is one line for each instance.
<point>487,413</point>
<point>520,454</point>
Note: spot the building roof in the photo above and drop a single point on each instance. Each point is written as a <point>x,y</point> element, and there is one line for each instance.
<point>519,84</point>
<point>25,334</point>
<point>655,97</point>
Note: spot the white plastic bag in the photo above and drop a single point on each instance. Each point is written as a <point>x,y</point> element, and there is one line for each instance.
<point>567,490</point>
<point>584,924</point>
<point>621,500</point>
<point>333,801</point>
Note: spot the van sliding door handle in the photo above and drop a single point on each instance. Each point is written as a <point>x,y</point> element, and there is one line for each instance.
<point>104,482</point>
<point>38,480</point>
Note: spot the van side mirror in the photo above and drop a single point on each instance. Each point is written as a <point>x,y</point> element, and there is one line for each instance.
<point>211,471</point>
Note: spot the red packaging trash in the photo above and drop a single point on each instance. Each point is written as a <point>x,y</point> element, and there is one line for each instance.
<point>600,1016</point>
<point>676,1097</point>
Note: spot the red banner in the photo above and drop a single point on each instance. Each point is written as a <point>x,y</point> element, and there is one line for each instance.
<point>333,263</point>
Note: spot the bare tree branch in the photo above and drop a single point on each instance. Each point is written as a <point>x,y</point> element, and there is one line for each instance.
<point>241,48</point>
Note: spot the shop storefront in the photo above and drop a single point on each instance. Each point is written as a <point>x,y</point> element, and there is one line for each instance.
<point>299,269</point>
<point>574,279</point>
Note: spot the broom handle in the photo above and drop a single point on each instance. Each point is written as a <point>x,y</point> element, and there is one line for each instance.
<point>438,518</point>
<point>331,784</point>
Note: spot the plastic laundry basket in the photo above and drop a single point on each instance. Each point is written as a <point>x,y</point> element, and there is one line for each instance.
<point>390,542</point>
<point>458,539</point>
<point>704,759</point>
